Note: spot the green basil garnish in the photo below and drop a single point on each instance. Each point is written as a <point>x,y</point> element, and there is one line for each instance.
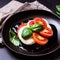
<point>26,33</point>
<point>36,27</point>
<point>13,38</point>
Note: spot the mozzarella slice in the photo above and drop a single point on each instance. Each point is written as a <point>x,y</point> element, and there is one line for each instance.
<point>29,41</point>
<point>29,22</point>
<point>47,23</point>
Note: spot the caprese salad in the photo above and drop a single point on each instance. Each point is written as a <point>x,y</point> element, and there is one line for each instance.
<point>34,31</point>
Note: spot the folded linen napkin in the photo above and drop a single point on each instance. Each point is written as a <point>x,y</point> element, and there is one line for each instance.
<point>15,6</point>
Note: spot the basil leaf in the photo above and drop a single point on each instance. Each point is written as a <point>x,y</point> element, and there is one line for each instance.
<point>57,13</point>
<point>26,33</point>
<point>36,27</point>
<point>11,33</point>
<point>13,38</point>
<point>58,8</point>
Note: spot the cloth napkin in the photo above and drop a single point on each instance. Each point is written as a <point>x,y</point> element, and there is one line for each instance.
<point>16,6</point>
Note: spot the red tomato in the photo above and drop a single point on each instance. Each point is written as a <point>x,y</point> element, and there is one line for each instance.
<point>40,21</point>
<point>47,32</point>
<point>21,25</point>
<point>32,22</point>
<point>39,39</point>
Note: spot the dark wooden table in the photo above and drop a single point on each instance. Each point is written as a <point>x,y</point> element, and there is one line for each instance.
<point>6,54</point>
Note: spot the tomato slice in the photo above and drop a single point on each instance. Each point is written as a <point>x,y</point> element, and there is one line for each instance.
<point>40,21</point>
<point>39,39</point>
<point>31,22</point>
<point>21,25</point>
<point>47,32</point>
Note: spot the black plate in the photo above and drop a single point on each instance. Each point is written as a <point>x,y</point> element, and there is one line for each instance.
<point>54,41</point>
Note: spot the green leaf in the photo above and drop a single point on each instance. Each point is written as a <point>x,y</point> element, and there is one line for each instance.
<point>26,33</point>
<point>57,13</point>
<point>58,8</point>
<point>13,38</point>
<point>11,33</point>
<point>36,27</point>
